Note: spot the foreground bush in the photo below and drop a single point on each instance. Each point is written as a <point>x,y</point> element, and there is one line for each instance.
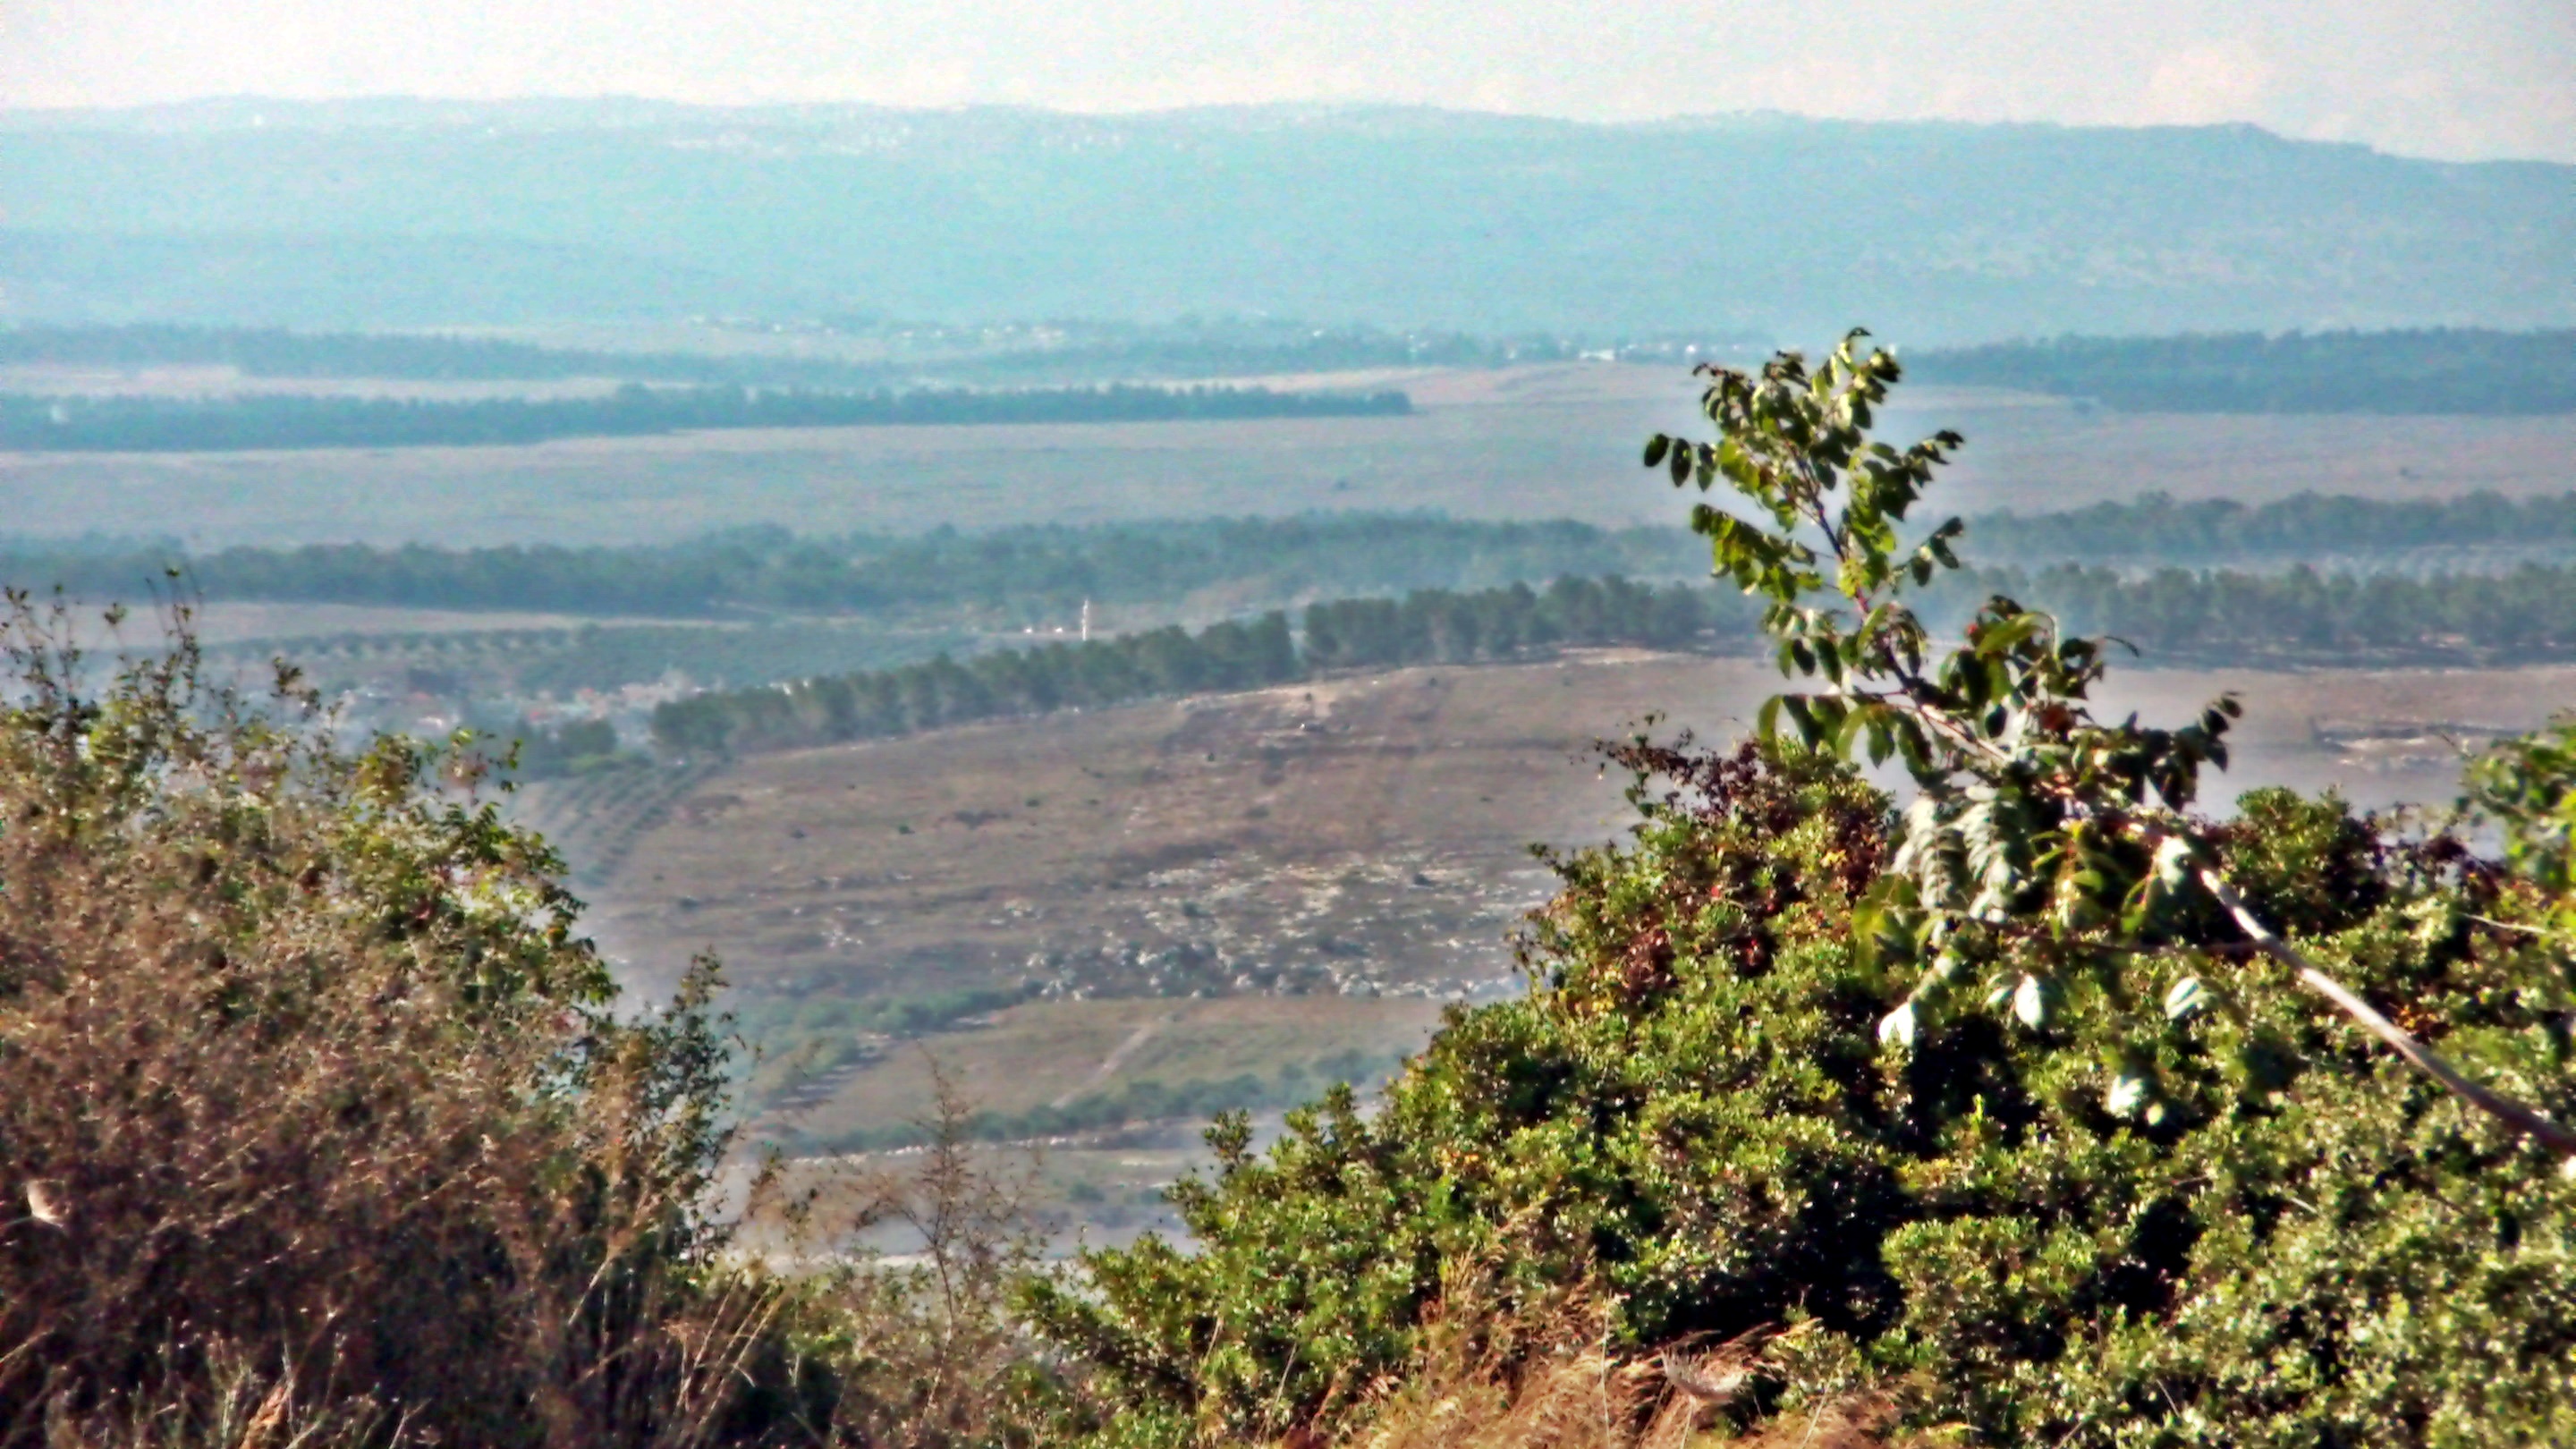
<point>318,1126</point>
<point>308,1076</point>
<point>1692,1118</point>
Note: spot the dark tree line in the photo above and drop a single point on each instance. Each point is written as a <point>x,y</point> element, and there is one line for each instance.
<point>159,424</point>
<point>2461,370</point>
<point>1430,626</point>
<point>2157,528</point>
<point>2172,616</point>
<point>945,691</point>
<point>1068,350</point>
<point>2303,614</point>
<point>2440,370</point>
<point>1046,570</point>
<point>1253,352</point>
<point>1440,627</point>
<point>479,663</point>
<point>2300,615</point>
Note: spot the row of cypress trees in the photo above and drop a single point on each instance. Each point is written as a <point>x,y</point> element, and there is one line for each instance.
<point>1431,626</point>
<point>2173,615</point>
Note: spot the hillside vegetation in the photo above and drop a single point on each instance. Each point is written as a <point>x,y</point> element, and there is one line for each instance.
<point>2010,1117</point>
<point>336,216</point>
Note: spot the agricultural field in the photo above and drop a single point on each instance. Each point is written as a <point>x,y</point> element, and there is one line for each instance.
<point>1331,838</point>
<point>57,379</point>
<point>224,624</point>
<point>1558,440</point>
<point>1271,890</point>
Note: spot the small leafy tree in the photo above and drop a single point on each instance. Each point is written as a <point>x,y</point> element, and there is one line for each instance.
<point>2040,834</point>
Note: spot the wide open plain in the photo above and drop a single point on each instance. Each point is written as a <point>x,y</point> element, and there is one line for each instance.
<point>1556,441</point>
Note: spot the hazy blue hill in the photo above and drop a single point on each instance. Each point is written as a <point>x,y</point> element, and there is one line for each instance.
<point>1389,216</point>
<point>362,280</point>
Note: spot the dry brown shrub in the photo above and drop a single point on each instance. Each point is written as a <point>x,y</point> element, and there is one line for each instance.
<point>227,1402</point>
<point>923,1347</point>
<point>1481,1385</point>
<point>302,1055</point>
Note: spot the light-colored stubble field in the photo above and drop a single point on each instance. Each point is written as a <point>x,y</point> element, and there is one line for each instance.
<point>1538,442</point>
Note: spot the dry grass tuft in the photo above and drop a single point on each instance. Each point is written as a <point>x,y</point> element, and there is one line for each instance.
<point>226,1404</point>
<point>302,1054</point>
<point>1480,1386</point>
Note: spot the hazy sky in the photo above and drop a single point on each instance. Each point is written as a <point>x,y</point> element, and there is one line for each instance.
<point>2450,78</point>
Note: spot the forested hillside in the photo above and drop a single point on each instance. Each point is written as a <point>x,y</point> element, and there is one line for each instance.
<point>462,215</point>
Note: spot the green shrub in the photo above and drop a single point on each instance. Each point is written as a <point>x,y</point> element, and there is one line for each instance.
<point>2146,1193</point>
<point>1692,1116</point>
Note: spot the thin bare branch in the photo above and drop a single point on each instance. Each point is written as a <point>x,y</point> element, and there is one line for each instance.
<point>2520,1117</point>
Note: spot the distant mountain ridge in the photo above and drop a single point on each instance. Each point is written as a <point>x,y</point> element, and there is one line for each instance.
<point>426,213</point>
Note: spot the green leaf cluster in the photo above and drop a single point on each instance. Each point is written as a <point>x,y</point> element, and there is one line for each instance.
<point>1691,1120</point>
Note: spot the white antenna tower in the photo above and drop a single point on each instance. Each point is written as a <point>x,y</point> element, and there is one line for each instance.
<point>1086,621</point>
